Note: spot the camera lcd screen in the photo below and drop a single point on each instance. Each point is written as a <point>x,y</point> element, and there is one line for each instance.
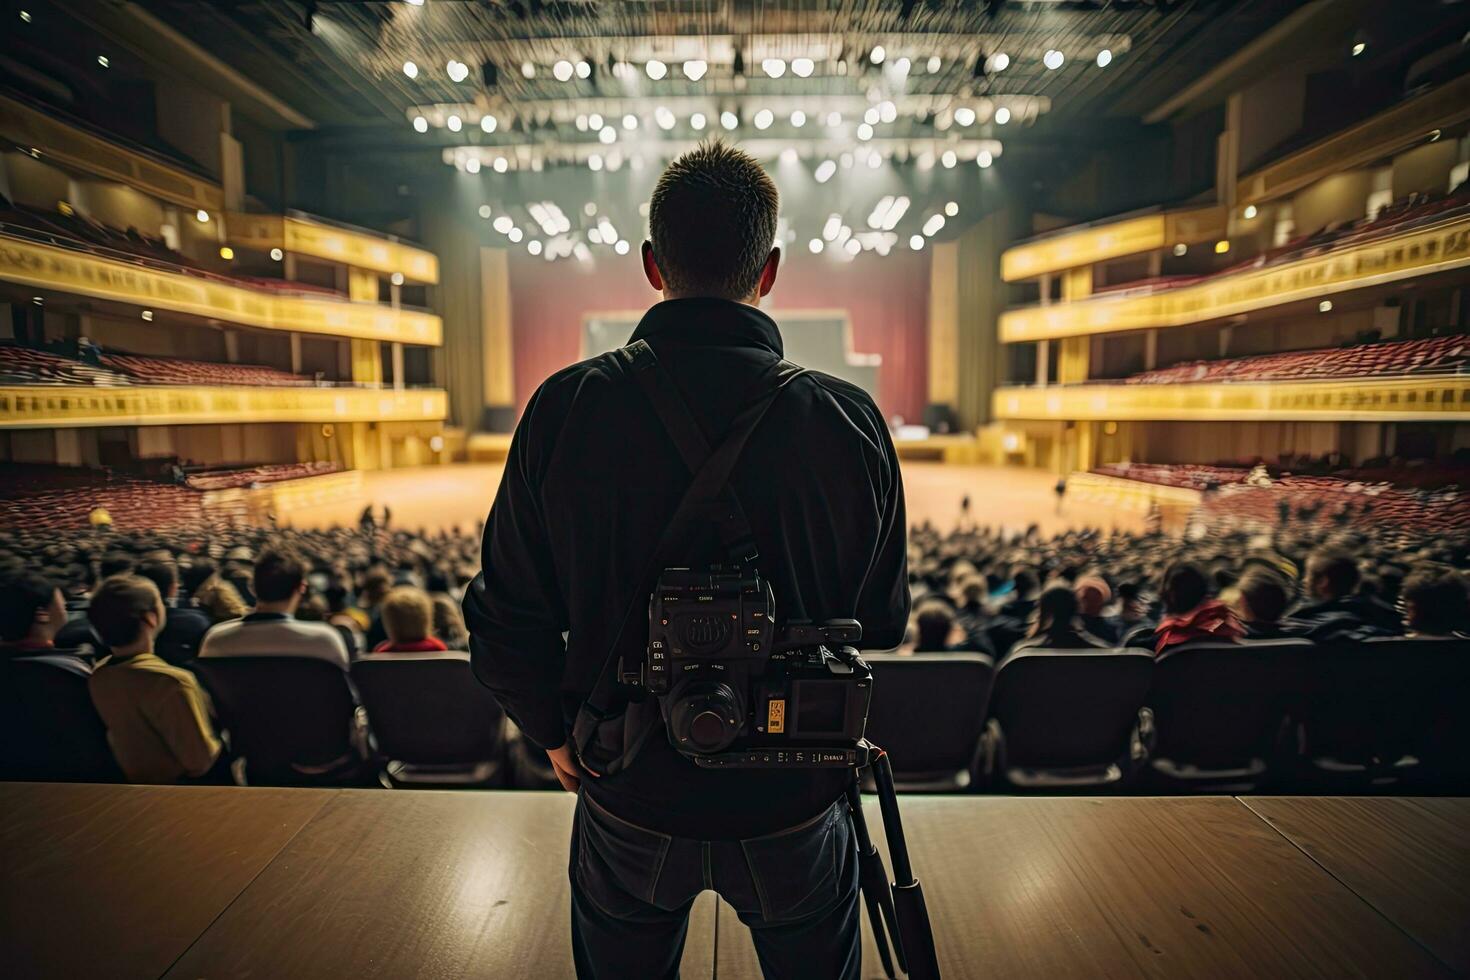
<point>821,707</point>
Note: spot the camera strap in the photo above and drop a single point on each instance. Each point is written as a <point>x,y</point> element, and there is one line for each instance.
<point>708,498</point>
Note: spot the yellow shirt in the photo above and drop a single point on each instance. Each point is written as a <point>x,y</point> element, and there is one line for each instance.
<point>157,718</point>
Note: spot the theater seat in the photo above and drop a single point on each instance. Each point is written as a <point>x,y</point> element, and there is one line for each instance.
<point>292,721</point>
<point>434,723</point>
<point>49,729</point>
<point>1218,714</point>
<point>927,713</point>
<point>1385,713</point>
<point>1065,720</point>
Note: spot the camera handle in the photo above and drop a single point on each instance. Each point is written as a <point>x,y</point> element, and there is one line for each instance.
<point>904,916</point>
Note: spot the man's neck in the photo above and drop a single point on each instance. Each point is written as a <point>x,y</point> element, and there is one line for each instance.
<point>284,608</point>
<point>131,650</point>
<point>753,299</point>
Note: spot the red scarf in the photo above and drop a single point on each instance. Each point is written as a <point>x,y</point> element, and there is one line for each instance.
<point>1212,620</point>
<point>429,645</point>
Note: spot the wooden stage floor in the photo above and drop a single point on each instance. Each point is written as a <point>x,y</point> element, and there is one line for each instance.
<point>221,882</point>
<point>438,497</point>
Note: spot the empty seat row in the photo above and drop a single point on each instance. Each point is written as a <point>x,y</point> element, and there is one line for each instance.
<point>1431,354</point>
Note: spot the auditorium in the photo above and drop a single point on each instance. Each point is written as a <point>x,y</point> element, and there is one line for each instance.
<point>734,488</point>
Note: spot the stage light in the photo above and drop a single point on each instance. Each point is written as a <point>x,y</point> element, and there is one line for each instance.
<point>951,208</point>
<point>622,246</point>
<point>656,70</point>
<point>410,69</point>
<point>832,227</point>
<point>594,235</point>
<point>664,117</point>
<point>1002,116</point>
<point>697,121</point>
<point>420,124</point>
<point>798,118</point>
<point>562,71</point>
<point>630,121</point>
<point>472,165</point>
<point>864,132</point>
<point>147,315</point>
<point>528,70</point>
<point>934,64</point>
<point>984,159</point>
<point>1180,249</point>
<point>436,444</point>
<point>589,209</point>
<point>964,116</point>
<point>1250,211</point>
<point>949,159</point>
<point>415,3</point>
<point>902,66</point>
<point>607,134</point>
<point>501,165</point>
<point>729,120</point>
<point>102,60</point>
<point>895,214</point>
<point>484,211</point>
<point>834,118</point>
<point>37,300</point>
<point>871,116</point>
<point>763,119</point>
<point>774,67</point>
<point>454,123</point>
<point>488,123</point>
<point>458,71</point>
<point>887,111</point>
<point>201,216</point>
<point>1359,48</point>
<point>815,246</point>
<point>594,163</point>
<point>875,159</point>
<point>396,279</point>
<point>694,70</point>
<point>1104,58</point>
<point>504,224</point>
<point>933,225</point>
<point>877,55</point>
<point>584,69</point>
<point>277,255</point>
<point>803,67</point>
<point>916,242</point>
<point>594,121</point>
<point>999,61</point>
<point>534,247</point>
<point>1053,59</point>
<point>852,246</point>
<point>789,155</point>
<point>824,171</point>
<point>1325,306</point>
<point>25,16</point>
<point>1222,246</point>
<point>515,234</point>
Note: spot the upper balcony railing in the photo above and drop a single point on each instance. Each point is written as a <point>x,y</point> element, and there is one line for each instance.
<point>1114,238</point>
<point>317,238</point>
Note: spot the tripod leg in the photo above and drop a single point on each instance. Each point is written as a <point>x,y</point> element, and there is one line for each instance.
<point>915,935</point>
<point>873,880</point>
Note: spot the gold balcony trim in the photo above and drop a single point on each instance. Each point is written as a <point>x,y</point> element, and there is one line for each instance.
<point>1439,248</point>
<point>1099,243</point>
<point>346,246</point>
<point>80,149</point>
<point>73,406</point>
<point>1443,398</point>
<point>48,267</point>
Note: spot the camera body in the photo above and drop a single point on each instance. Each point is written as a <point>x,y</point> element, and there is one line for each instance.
<point>737,691</point>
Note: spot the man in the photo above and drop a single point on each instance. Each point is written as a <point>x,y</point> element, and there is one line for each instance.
<point>32,613</point>
<point>592,479</point>
<point>157,715</point>
<point>184,627</point>
<point>1334,609</point>
<point>271,629</point>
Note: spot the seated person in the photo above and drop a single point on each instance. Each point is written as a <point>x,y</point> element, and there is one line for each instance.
<point>271,629</point>
<point>157,715</point>
<point>449,624</point>
<point>32,613</point>
<point>937,629</point>
<point>1437,603</point>
<point>1093,596</point>
<point>1189,612</point>
<point>1262,604</point>
<point>1057,626</point>
<point>1333,608</point>
<point>185,627</point>
<point>408,618</point>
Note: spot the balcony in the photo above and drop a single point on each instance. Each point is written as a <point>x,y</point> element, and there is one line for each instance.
<point>125,278</point>
<point>1309,272</point>
<point>66,406</point>
<point>330,242</point>
<point>1407,399</point>
<point>1076,247</point>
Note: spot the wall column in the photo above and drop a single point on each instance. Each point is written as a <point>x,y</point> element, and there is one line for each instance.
<point>944,325</point>
<point>498,350</point>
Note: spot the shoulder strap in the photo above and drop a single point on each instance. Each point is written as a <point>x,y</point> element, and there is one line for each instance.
<point>706,490</point>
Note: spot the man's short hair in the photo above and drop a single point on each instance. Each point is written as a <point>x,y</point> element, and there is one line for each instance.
<point>1338,567</point>
<point>408,615</point>
<point>164,574</point>
<point>22,595</point>
<point>1438,601</point>
<point>278,575</point>
<point>1264,594</point>
<point>118,607</point>
<point>115,563</point>
<point>1184,587</point>
<point>712,219</point>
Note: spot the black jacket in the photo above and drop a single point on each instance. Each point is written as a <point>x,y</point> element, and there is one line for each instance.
<point>591,480</point>
<point>1349,614</point>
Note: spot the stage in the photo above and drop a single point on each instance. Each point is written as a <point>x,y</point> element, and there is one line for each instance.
<point>437,497</point>
<point>219,882</point>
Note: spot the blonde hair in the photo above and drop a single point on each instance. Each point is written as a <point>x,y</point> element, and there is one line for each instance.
<point>219,599</point>
<point>449,623</point>
<point>407,614</point>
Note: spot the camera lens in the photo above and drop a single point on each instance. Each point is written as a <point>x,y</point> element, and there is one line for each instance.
<point>706,717</point>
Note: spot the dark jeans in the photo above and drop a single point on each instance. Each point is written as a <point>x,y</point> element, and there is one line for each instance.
<point>632,890</point>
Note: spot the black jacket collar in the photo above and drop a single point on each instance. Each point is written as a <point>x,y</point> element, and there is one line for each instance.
<point>706,321</point>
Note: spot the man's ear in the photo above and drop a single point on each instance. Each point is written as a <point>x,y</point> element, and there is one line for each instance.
<point>650,268</point>
<point>768,274</point>
<point>301,589</point>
